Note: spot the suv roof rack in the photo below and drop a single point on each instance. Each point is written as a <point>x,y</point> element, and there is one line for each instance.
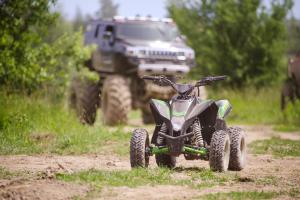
<point>141,18</point>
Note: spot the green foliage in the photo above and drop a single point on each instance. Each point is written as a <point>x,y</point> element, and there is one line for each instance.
<point>237,38</point>
<point>276,146</point>
<point>5,174</point>
<point>293,26</point>
<point>133,178</point>
<point>259,106</point>
<point>21,23</point>
<point>194,177</point>
<point>32,124</point>
<point>33,54</point>
<point>292,114</point>
<point>250,105</point>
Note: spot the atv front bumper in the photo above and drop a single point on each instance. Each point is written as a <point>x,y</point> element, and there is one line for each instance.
<point>175,146</point>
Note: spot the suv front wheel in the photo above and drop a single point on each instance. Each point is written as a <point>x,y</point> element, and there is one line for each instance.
<point>115,100</point>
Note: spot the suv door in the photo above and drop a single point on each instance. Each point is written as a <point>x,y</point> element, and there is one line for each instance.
<point>106,47</point>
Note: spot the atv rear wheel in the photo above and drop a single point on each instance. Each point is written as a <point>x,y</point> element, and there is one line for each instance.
<point>165,160</point>
<point>220,124</point>
<point>139,144</point>
<point>84,98</point>
<point>237,158</point>
<point>219,151</point>
<point>116,100</point>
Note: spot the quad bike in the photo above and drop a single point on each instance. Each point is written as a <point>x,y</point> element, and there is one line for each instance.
<point>190,126</point>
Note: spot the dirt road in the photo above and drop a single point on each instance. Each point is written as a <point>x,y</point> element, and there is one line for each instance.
<point>263,173</point>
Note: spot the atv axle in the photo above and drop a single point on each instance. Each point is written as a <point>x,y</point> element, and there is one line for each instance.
<point>189,150</point>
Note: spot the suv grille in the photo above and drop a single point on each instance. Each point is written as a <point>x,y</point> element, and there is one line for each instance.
<point>164,54</point>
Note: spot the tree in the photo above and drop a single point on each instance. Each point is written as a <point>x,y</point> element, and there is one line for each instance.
<point>239,38</point>
<point>22,23</point>
<point>35,47</point>
<point>108,9</point>
<point>293,26</point>
<point>78,20</point>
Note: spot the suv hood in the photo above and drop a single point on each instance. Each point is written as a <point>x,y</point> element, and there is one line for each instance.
<point>154,44</point>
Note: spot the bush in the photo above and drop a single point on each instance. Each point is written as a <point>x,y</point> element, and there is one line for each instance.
<point>32,55</point>
<point>239,38</point>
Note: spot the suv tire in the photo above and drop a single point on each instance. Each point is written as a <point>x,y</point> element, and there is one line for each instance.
<point>115,100</point>
<point>84,98</point>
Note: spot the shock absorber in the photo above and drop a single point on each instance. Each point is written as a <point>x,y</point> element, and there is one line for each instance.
<point>197,133</point>
<point>163,130</point>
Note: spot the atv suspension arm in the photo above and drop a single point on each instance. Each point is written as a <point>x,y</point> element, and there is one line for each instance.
<point>190,150</point>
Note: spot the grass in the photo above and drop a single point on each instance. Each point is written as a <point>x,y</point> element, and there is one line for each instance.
<point>201,177</point>
<point>31,125</point>
<point>195,178</point>
<point>277,147</point>
<point>251,195</point>
<point>5,174</point>
<point>240,196</point>
<point>131,178</point>
<point>34,124</point>
<point>252,106</point>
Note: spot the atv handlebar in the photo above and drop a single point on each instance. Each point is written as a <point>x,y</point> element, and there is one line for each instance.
<point>159,80</point>
<point>208,80</point>
<point>204,81</point>
<point>183,89</point>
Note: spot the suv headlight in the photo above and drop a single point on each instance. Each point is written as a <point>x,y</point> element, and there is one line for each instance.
<point>133,52</point>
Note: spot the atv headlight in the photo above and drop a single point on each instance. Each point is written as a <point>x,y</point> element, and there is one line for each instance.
<point>177,123</point>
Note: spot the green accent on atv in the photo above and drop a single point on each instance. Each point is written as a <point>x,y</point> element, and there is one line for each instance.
<point>178,114</point>
<point>157,150</point>
<point>164,150</point>
<point>223,105</point>
<point>201,151</point>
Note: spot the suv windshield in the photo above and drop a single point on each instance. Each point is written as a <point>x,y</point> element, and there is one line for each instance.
<point>148,31</point>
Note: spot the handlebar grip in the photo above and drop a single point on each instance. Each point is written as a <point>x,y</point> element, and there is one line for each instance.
<point>149,77</point>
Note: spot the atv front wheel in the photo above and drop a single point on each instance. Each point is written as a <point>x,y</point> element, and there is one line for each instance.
<point>116,100</point>
<point>219,151</point>
<point>139,145</point>
<point>165,160</point>
<point>237,158</point>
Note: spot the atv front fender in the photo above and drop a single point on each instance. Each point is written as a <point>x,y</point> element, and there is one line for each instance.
<point>224,108</point>
<point>160,110</point>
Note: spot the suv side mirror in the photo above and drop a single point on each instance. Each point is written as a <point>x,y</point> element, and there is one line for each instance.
<point>107,35</point>
<point>183,37</point>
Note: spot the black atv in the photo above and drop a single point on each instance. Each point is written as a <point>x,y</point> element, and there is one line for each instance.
<point>190,126</point>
